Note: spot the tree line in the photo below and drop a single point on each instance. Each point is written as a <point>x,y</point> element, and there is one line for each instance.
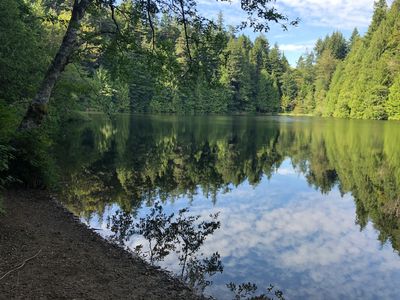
<point>132,63</point>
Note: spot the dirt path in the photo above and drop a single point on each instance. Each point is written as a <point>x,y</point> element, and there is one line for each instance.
<point>74,262</point>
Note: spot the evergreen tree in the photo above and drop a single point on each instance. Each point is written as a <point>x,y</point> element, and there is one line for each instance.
<point>380,10</point>
<point>305,82</point>
<point>355,35</point>
<point>393,103</point>
<point>289,85</point>
<point>335,43</point>
<point>259,58</point>
<point>325,69</point>
<point>267,93</point>
<point>236,74</point>
<point>277,64</point>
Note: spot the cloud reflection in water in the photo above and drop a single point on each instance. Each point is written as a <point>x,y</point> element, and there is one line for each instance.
<point>286,233</point>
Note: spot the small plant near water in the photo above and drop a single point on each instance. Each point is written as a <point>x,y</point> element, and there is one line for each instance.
<point>181,234</point>
<point>247,291</point>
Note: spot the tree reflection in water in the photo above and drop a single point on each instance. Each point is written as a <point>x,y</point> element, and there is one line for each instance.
<point>132,160</point>
<point>248,291</point>
<point>182,234</point>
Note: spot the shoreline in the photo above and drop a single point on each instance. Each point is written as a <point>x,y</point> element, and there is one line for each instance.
<point>64,259</point>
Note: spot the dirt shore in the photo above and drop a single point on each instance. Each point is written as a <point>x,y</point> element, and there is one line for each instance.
<point>69,260</point>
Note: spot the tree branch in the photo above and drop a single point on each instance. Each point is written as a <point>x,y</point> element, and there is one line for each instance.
<point>112,8</point>
<point>185,28</point>
<point>153,37</point>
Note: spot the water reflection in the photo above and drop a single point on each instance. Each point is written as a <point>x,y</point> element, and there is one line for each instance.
<point>289,192</point>
<point>181,234</point>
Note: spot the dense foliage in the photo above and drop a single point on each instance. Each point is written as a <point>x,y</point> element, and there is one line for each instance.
<point>365,85</point>
<point>355,78</point>
<point>219,72</point>
<point>360,78</point>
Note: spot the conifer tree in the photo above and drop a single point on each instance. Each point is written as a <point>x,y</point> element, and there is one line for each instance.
<point>355,35</point>
<point>393,103</point>
<point>267,93</point>
<point>380,10</point>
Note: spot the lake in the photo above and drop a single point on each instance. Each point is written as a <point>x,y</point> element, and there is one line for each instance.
<point>309,205</point>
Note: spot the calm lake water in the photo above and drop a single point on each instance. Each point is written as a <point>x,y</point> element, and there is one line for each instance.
<point>309,205</point>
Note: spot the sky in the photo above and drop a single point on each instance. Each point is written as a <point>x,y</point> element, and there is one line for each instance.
<point>317,19</point>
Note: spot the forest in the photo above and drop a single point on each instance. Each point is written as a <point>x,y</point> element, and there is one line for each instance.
<point>168,67</point>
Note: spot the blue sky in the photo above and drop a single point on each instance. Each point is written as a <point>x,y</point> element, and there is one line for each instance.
<point>318,18</point>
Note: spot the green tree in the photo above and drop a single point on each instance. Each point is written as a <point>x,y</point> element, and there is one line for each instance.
<point>268,93</point>
<point>393,103</point>
<point>305,82</point>
<point>277,64</point>
<point>335,43</point>
<point>355,35</point>
<point>22,51</point>
<point>380,10</point>
<point>236,74</point>
<point>325,68</point>
<point>289,90</point>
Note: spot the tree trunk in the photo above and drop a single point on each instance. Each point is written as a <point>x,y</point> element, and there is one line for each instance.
<point>38,108</point>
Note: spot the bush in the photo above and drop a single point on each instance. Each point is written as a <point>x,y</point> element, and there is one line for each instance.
<point>5,157</point>
<point>34,166</point>
<point>25,157</point>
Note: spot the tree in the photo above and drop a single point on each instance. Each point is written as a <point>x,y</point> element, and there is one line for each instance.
<point>289,90</point>
<point>355,35</point>
<point>259,58</point>
<point>22,55</point>
<point>38,107</point>
<point>393,103</point>
<point>277,64</point>
<point>325,69</point>
<point>236,73</point>
<point>267,94</point>
<point>336,43</point>
<point>380,10</point>
<point>305,82</point>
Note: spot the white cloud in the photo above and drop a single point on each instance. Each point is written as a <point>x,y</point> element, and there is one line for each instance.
<point>296,47</point>
<point>311,245</point>
<point>341,14</point>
